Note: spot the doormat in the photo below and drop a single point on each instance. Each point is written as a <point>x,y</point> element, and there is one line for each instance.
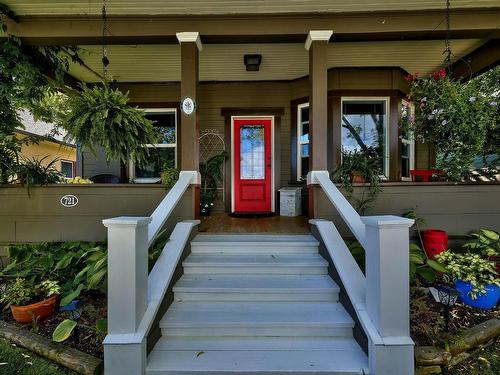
<point>252,215</point>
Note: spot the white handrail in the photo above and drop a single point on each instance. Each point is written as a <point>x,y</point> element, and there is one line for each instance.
<point>168,204</point>
<point>344,208</point>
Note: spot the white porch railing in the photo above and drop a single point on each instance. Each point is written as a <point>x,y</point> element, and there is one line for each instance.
<point>134,297</point>
<point>381,299</point>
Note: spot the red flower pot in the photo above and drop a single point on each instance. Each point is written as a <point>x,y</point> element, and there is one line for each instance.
<point>435,242</point>
<point>35,311</point>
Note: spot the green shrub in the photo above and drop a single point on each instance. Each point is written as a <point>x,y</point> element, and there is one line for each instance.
<point>18,293</point>
<point>169,177</point>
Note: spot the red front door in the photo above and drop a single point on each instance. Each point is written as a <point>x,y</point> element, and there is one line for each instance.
<point>252,165</point>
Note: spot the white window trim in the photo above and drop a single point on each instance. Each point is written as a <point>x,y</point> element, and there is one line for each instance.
<point>387,102</point>
<point>154,180</point>
<point>409,141</point>
<point>73,165</point>
<point>299,142</point>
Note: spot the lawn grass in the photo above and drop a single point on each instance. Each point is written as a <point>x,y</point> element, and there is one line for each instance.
<point>17,360</point>
<point>484,361</point>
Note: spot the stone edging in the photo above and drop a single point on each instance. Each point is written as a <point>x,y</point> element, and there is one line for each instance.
<point>66,356</point>
<point>429,359</point>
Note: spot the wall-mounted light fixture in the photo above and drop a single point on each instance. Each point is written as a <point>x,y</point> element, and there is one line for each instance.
<point>252,62</point>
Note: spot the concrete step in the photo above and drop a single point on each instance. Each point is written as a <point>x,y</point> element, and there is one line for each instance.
<point>281,319</point>
<point>266,244</point>
<point>267,356</point>
<point>281,288</point>
<point>282,264</point>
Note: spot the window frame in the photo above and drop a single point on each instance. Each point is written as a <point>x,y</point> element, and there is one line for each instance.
<point>299,143</point>
<point>387,103</point>
<point>73,167</point>
<point>145,180</point>
<point>410,141</point>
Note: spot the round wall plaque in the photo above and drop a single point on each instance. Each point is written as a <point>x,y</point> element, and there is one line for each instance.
<point>69,200</point>
<point>188,105</point>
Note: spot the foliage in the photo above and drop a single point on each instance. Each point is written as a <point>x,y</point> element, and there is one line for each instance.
<point>212,177</point>
<point>50,287</point>
<point>366,163</point>
<point>426,324</point>
<point>358,253</point>
<point>101,116</point>
<point>169,177</point>
<point>485,242</point>
<point>18,293</point>
<point>458,119</point>
<point>78,181</point>
<point>471,268</point>
<point>70,263</point>
<point>421,265</point>
<point>63,330</point>
<point>35,171</point>
<point>17,360</point>
<point>483,361</point>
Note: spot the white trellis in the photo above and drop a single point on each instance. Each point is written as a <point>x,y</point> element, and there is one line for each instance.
<point>211,144</point>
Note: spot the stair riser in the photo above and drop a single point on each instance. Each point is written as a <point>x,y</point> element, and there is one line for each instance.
<point>259,270</point>
<point>252,249</point>
<point>257,297</point>
<point>217,372</point>
<point>290,331</point>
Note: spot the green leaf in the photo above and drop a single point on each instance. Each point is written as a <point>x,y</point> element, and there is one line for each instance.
<point>102,325</point>
<point>96,278</point>
<point>436,266</point>
<point>427,273</point>
<point>71,296</point>
<point>63,330</point>
<point>492,235</point>
<point>417,259</point>
<point>413,272</point>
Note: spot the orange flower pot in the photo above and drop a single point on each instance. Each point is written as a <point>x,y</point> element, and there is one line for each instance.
<point>35,311</point>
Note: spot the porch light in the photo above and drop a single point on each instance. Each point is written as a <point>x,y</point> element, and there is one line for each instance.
<point>252,62</point>
<point>446,296</point>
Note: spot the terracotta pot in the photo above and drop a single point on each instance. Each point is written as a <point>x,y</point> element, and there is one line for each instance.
<point>357,177</point>
<point>35,311</point>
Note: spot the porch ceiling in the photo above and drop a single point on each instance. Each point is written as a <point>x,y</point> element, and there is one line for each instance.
<point>224,7</point>
<point>224,62</point>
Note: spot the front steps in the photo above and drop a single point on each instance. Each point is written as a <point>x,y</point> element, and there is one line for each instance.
<point>256,304</point>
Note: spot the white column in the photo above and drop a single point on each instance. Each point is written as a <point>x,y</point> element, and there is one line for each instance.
<point>388,292</point>
<point>127,294</point>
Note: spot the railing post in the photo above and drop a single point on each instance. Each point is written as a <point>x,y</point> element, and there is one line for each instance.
<point>387,294</point>
<point>127,294</point>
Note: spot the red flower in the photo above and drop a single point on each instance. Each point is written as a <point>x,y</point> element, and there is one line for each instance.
<point>409,78</point>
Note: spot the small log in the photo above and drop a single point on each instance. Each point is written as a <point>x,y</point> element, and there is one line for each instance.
<point>476,335</point>
<point>428,370</point>
<point>431,355</point>
<point>71,358</point>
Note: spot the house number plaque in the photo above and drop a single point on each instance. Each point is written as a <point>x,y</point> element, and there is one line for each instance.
<point>69,200</point>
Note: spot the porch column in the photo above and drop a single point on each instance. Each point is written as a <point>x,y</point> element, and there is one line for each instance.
<point>189,133</point>
<point>189,126</point>
<point>317,45</point>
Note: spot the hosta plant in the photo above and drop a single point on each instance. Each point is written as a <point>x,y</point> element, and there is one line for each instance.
<point>485,242</point>
<point>471,268</point>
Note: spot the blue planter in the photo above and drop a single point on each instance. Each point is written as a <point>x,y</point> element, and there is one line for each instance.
<point>483,301</point>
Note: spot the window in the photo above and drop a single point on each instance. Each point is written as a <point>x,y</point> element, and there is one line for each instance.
<point>302,141</point>
<point>364,127</point>
<point>162,155</point>
<point>68,168</point>
<point>407,144</point>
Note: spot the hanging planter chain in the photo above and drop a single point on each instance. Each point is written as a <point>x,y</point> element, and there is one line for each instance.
<point>447,45</point>
<point>105,60</point>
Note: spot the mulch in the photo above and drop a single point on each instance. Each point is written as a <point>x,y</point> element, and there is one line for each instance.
<point>427,322</point>
<point>87,338</point>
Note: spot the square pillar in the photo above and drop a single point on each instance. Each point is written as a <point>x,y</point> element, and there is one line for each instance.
<point>317,45</point>
<point>189,128</point>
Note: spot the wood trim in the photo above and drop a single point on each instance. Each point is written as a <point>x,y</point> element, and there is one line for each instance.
<point>245,111</point>
<point>293,137</point>
<point>371,92</point>
<point>336,130</point>
<point>394,141</point>
<point>485,57</point>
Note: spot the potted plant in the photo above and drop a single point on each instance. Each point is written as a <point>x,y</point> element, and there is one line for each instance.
<point>207,199</point>
<point>475,278</point>
<point>212,177</point>
<point>169,177</point>
<point>31,303</point>
<point>360,167</point>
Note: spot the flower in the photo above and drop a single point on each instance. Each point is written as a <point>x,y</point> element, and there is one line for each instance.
<point>493,104</point>
<point>472,99</point>
<point>409,78</point>
<point>444,122</point>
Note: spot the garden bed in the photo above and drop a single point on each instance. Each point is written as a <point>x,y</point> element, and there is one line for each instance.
<point>427,322</point>
<point>89,339</point>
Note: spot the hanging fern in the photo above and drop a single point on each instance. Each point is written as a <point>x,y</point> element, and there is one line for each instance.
<point>101,116</point>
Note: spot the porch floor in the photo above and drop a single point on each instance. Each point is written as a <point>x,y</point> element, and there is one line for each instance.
<point>223,223</point>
